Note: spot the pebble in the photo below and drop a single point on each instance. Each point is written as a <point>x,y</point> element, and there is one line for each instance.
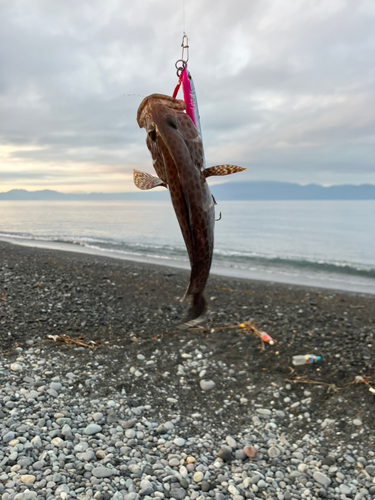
<point>273,452</point>
<point>198,477</point>
<point>207,385</point>
<point>231,442</point>
<point>250,451</point>
<point>28,478</point>
<point>264,411</point>
<point>72,445</point>
<point>102,472</point>
<point>16,367</point>
<point>321,479</point>
<point>225,453</point>
<point>179,441</point>
<point>93,429</point>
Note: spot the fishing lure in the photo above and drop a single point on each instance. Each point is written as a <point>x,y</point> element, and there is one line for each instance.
<point>188,88</point>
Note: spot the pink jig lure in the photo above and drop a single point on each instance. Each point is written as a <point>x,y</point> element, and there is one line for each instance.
<point>191,101</point>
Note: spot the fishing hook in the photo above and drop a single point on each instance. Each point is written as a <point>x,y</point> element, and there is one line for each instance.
<point>218,218</point>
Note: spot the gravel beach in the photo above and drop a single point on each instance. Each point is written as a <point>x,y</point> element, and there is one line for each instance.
<point>102,396</point>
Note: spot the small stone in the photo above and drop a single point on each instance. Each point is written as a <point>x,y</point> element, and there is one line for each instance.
<point>273,452</point>
<point>16,367</point>
<point>264,411</point>
<point>231,442</point>
<point>130,433</point>
<point>250,451</point>
<point>207,385</point>
<point>225,453</point>
<point>233,490</point>
<point>205,486</point>
<point>357,422</point>
<point>183,472</point>
<point>177,492</point>
<point>97,416</point>
<point>9,436</point>
<point>322,479</point>
<point>87,456</point>
<point>102,472</point>
<point>190,460</point>
<point>56,386</point>
<point>38,465</point>
<point>92,429</point>
<point>240,455</point>
<point>28,479</point>
<point>179,441</point>
<point>198,476</point>
<point>345,489</point>
<point>58,442</point>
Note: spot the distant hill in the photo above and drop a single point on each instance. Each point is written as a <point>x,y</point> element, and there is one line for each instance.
<point>268,190</point>
<point>49,195</point>
<point>257,190</point>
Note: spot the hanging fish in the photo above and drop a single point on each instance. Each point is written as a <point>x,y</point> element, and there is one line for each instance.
<point>174,140</point>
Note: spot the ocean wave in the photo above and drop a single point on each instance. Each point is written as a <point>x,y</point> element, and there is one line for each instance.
<point>225,257</point>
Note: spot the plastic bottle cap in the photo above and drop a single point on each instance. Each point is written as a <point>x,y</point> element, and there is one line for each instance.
<point>318,358</point>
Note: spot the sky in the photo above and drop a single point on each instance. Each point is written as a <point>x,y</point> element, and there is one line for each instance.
<point>285,89</point>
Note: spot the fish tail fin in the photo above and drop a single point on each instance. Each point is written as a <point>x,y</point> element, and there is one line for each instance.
<point>195,315</point>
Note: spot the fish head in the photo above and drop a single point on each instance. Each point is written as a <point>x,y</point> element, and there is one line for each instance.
<point>157,108</point>
<point>169,129</point>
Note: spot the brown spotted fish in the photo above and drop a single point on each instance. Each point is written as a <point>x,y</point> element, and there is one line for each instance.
<point>177,153</point>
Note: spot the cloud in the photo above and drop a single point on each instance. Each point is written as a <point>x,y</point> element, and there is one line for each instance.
<point>286,88</point>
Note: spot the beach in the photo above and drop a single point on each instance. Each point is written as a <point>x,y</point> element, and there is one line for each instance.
<point>119,321</point>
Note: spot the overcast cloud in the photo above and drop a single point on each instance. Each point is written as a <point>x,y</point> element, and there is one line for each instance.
<point>285,89</point>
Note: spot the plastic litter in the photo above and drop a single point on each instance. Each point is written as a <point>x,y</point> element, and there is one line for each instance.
<point>305,359</point>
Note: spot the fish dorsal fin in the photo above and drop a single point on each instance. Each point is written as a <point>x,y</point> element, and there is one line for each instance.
<point>146,181</point>
<point>222,170</point>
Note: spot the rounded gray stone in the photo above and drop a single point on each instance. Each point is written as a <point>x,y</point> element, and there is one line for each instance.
<point>100,472</point>
<point>322,479</point>
<point>231,442</point>
<point>273,452</point>
<point>345,489</point>
<point>92,429</point>
<point>8,436</point>
<point>207,385</point>
<point>179,441</point>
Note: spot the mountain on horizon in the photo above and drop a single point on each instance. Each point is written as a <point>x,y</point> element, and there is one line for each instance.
<point>252,190</point>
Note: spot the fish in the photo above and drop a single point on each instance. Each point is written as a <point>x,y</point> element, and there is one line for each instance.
<point>176,148</point>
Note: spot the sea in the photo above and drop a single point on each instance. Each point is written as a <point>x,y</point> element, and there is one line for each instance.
<point>326,244</point>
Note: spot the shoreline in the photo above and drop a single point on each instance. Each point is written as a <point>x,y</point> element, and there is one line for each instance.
<point>328,281</point>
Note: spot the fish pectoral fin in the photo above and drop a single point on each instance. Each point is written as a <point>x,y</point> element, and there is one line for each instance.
<point>222,170</point>
<point>146,181</point>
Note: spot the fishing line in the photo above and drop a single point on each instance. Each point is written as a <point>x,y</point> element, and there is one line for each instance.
<point>183,16</point>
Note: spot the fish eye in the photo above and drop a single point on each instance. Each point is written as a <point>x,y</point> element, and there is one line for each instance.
<point>152,134</point>
<point>189,76</point>
<point>172,122</point>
